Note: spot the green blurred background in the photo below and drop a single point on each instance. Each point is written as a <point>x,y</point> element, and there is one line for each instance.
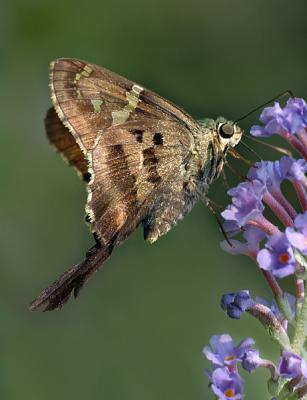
<point>139,326</point>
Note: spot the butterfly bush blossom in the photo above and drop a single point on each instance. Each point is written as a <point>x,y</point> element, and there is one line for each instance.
<point>279,250</point>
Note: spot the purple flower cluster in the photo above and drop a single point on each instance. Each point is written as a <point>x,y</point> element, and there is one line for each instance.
<point>291,119</point>
<point>280,250</point>
<point>225,380</point>
<point>226,383</point>
<point>289,122</point>
<point>273,173</point>
<point>246,212</point>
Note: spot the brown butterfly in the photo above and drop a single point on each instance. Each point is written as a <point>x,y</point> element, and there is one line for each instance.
<point>144,159</point>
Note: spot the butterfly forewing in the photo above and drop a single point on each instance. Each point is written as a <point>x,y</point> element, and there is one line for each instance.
<point>134,141</point>
<point>88,98</point>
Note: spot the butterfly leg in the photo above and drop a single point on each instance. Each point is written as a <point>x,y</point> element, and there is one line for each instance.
<point>212,207</point>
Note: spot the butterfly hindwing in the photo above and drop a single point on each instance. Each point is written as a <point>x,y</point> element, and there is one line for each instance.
<point>64,142</point>
<point>131,166</point>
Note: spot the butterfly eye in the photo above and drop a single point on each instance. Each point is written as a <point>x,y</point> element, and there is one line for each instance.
<point>226,131</point>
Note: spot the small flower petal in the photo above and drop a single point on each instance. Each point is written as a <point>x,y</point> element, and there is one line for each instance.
<point>259,131</point>
<point>227,385</point>
<point>291,365</point>
<point>278,256</point>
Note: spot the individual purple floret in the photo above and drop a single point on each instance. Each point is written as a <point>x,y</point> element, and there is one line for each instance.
<point>278,256</point>
<point>251,360</point>
<point>226,385</point>
<point>291,119</point>
<point>298,237</point>
<point>236,303</point>
<point>267,172</point>
<point>269,113</point>
<point>272,118</point>
<point>291,169</point>
<point>292,366</point>
<point>295,113</point>
<point>246,202</point>
<point>272,173</point>
<point>222,351</point>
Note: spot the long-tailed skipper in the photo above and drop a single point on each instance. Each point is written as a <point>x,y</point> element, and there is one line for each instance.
<point>145,161</point>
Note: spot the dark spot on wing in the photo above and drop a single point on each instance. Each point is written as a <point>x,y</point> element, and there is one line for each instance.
<point>155,178</point>
<point>150,161</point>
<point>149,157</point>
<point>158,138</point>
<point>138,135</point>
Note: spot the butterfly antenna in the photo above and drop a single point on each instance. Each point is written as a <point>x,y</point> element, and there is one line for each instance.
<point>251,150</point>
<point>271,146</point>
<point>287,92</point>
<point>224,176</point>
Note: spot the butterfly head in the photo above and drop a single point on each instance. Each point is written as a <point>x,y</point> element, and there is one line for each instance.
<point>228,132</point>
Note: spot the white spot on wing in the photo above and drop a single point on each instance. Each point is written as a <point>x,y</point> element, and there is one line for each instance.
<point>121,116</point>
<point>96,105</point>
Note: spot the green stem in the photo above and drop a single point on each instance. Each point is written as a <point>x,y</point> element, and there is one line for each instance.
<point>279,393</point>
<point>299,336</point>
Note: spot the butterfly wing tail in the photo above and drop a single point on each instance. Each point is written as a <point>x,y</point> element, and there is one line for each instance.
<point>59,292</point>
